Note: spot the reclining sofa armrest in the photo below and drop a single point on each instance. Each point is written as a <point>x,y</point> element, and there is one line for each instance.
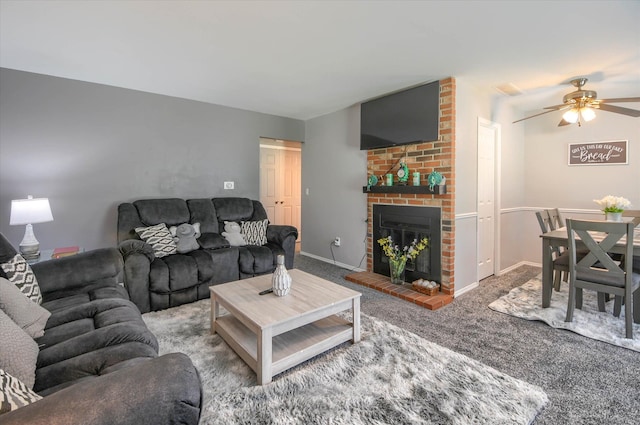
<point>137,256</point>
<point>278,234</point>
<point>164,390</point>
<point>285,237</point>
<point>79,270</point>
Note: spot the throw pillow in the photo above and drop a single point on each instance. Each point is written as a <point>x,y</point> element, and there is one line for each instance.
<point>186,237</point>
<point>159,238</point>
<point>255,232</point>
<point>20,355</point>
<point>28,315</point>
<point>233,234</point>
<point>20,274</point>
<point>15,393</point>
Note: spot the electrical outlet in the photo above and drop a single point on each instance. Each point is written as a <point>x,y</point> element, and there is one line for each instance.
<point>336,241</point>
<point>229,185</point>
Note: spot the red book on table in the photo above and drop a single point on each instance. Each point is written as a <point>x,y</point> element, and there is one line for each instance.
<point>65,251</point>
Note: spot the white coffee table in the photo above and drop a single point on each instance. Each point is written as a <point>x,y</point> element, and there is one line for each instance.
<point>272,334</point>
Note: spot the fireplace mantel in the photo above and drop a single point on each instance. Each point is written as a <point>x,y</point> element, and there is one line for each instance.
<point>437,190</point>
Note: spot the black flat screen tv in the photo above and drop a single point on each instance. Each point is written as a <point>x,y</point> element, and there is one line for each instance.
<point>409,116</point>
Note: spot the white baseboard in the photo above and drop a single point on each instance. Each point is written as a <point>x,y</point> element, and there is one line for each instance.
<point>335,263</point>
<point>521,263</point>
<point>458,292</point>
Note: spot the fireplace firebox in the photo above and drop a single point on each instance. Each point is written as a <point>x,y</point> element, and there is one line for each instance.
<point>404,224</point>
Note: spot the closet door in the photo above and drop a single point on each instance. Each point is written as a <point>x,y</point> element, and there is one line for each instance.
<point>280,190</point>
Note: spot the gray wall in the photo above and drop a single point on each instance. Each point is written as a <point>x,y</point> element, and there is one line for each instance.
<point>334,170</point>
<point>89,147</point>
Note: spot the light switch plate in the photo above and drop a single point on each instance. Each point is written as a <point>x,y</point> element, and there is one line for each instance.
<point>229,185</point>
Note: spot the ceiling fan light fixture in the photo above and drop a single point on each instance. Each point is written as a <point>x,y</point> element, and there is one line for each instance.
<point>587,114</point>
<point>571,116</point>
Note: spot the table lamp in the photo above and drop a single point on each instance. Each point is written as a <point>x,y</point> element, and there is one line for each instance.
<point>29,211</point>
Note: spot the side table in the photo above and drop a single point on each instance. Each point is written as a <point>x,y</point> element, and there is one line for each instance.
<point>45,255</point>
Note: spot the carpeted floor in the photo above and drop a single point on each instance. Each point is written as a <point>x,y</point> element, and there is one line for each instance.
<point>524,302</point>
<point>391,376</point>
<point>587,381</point>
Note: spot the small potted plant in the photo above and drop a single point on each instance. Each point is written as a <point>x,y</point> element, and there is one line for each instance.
<point>613,206</point>
<point>398,257</point>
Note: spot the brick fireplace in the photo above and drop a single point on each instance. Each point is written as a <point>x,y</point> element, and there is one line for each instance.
<point>423,157</point>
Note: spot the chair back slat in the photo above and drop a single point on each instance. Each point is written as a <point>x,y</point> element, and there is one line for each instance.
<point>544,220</point>
<point>632,213</point>
<point>555,220</point>
<point>598,250</point>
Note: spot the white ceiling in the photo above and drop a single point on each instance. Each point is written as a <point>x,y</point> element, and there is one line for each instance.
<point>303,59</point>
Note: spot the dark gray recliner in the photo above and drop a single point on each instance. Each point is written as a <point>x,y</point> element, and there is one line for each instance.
<point>158,283</point>
<point>98,362</point>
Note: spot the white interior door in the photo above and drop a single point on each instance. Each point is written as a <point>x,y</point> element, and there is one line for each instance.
<point>488,138</point>
<point>280,183</point>
<point>269,164</point>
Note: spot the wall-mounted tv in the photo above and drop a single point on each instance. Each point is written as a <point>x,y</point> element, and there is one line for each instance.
<point>409,116</point>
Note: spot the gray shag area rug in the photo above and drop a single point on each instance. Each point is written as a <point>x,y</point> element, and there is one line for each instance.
<point>526,302</point>
<point>391,377</point>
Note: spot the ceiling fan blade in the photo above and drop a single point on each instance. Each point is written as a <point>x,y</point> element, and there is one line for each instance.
<point>556,107</point>
<point>532,116</point>
<point>619,110</point>
<point>563,123</point>
<point>620,99</point>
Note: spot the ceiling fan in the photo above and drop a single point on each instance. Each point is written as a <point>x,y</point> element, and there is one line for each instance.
<point>581,105</point>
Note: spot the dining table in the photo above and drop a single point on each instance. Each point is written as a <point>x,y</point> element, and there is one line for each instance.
<point>560,238</point>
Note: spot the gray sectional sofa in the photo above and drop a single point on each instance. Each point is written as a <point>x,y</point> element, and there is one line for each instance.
<point>156,283</point>
<point>97,363</point>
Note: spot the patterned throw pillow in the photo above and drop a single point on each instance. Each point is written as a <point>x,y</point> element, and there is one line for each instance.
<point>30,316</point>
<point>159,238</point>
<point>18,351</point>
<point>20,274</point>
<point>254,232</point>
<point>15,393</point>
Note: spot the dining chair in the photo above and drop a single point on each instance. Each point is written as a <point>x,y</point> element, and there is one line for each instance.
<point>555,219</point>
<point>632,213</point>
<point>609,277</point>
<point>560,257</point>
<point>635,214</point>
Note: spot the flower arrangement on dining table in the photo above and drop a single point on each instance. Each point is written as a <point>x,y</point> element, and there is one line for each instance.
<point>613,204</point>
<point>398,256</point>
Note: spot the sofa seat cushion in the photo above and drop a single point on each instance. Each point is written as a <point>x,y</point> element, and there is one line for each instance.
<point>213,241</point>
<point>87,339</point>
<point>66,299</point>
<point>255,260</point>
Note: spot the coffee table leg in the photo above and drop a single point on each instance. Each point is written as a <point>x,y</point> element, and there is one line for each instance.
<point>215,312</point>
<point>356,319</point>
<point>264,356</point>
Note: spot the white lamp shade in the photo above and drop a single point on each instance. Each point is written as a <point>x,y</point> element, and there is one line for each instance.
<point>29,211</point>
<point>587,114</point>
<point>571,115</point>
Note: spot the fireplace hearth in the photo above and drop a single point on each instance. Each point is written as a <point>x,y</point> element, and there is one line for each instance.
<point>404,224</point>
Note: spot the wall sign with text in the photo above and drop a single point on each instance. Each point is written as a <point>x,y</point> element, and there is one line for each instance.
<point>598,153</point>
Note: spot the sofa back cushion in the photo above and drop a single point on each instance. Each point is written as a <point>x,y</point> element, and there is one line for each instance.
<point>238,210</point>
<point>203,212</point>
<point>171,212</point>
